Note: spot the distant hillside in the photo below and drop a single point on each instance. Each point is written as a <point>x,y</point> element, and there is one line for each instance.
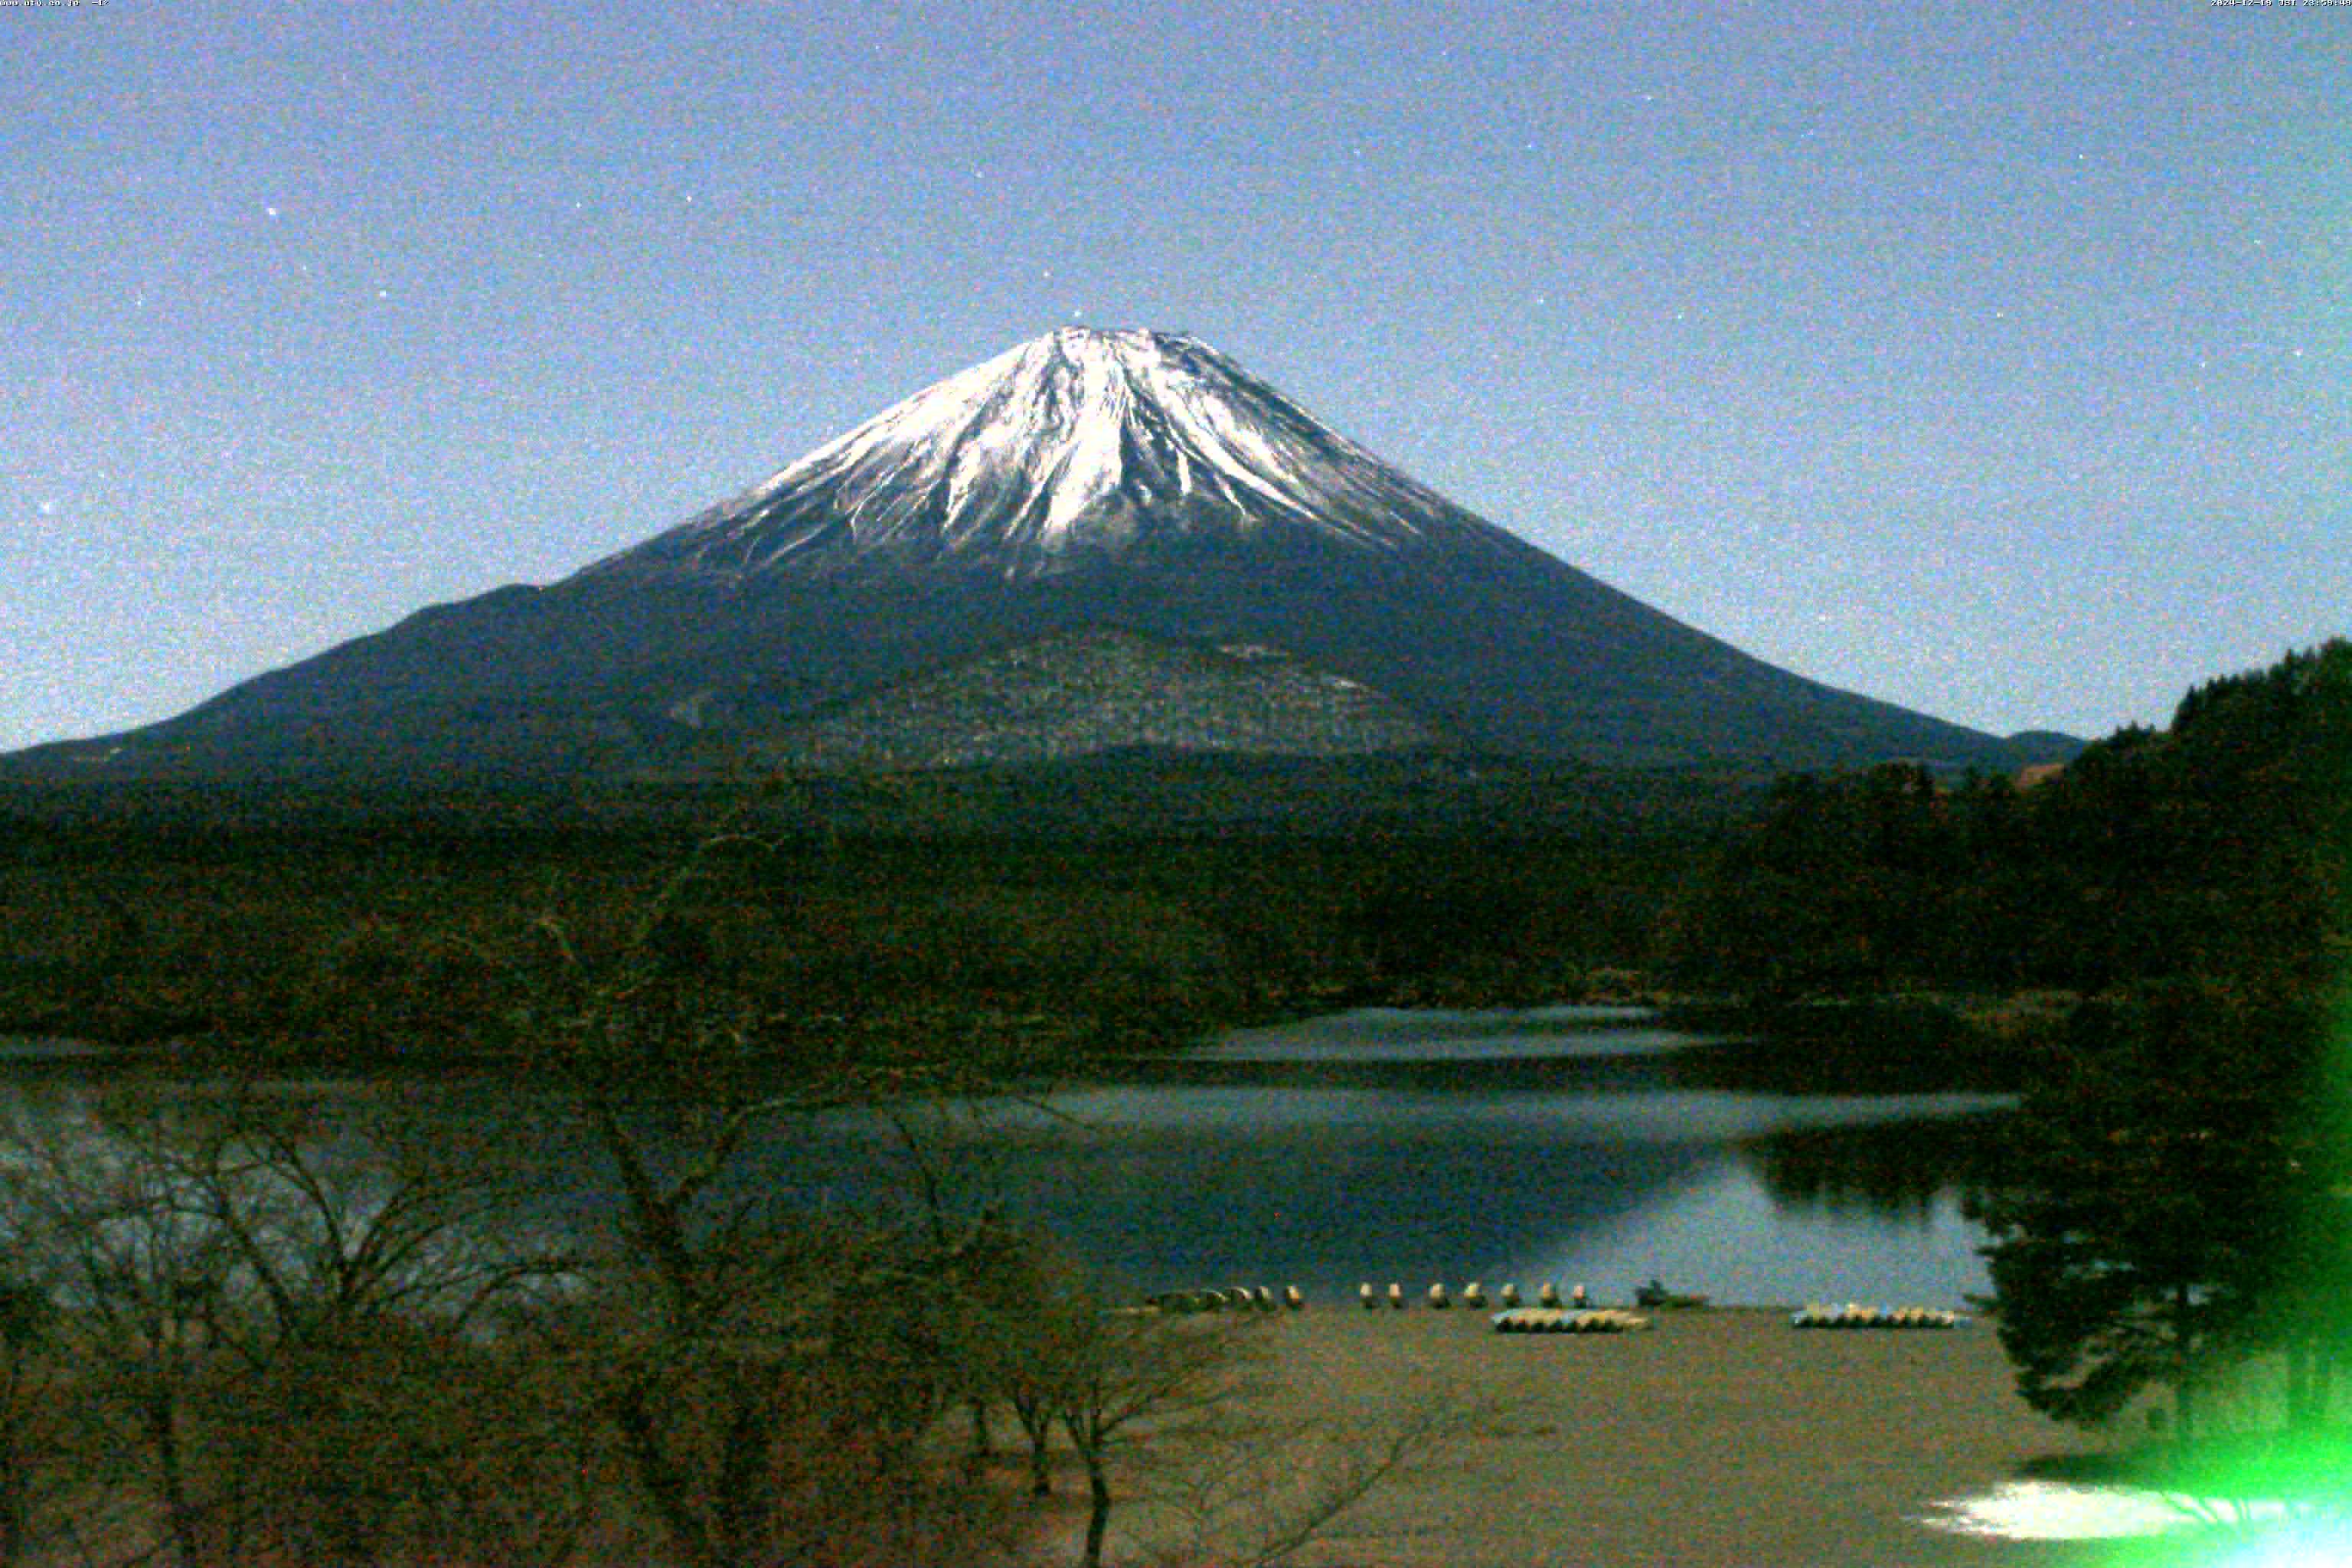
<point>1093,692</point>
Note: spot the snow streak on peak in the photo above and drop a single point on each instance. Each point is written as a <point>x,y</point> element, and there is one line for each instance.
<point>1079,442</point>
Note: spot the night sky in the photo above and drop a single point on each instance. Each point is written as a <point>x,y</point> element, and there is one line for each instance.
<point>1990,359</point>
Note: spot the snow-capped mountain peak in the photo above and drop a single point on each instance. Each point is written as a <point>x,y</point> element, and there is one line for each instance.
<point>1079,442</point>
<point>1113,538</point>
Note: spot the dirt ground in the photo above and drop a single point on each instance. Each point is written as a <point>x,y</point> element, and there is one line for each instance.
<point>1718,1437</point>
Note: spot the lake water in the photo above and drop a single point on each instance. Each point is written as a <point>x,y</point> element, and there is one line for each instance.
<point>1572,1145</point>
<point>1557,1145</point>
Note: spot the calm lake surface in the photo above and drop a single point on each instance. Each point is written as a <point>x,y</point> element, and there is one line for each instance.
<point>1575,1144</point>
<point>1562,1143</point>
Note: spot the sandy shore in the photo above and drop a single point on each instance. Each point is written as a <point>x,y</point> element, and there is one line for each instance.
<point>1718,1438</point>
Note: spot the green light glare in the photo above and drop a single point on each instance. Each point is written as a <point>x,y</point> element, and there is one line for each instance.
<point>2309,1468</point>
<point>2303,1544</point>
<point>2279,1495</point>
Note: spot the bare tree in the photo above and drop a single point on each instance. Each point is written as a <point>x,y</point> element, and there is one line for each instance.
<point>1253,1489</point>
<point>718,1324</point>
<point>30,1385</point>
<point>767,1377</point>
<point>1172,1406</point>
<point>1011,1342</point>
<point>694,1314</point>
<point>105,1226</point>
<point>231,1271</point>
<point>1118,1372</point>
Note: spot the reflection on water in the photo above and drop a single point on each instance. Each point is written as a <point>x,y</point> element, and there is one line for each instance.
<point>1900,1169</point>
<point>1726,1238</point>
<point>1439,1036</point>
<point>1528,1145</point>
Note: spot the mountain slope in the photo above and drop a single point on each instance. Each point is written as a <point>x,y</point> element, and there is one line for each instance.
<point>1129,482</point>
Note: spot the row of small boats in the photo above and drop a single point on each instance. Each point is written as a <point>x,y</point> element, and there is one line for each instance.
<point>1566,1321</point>
<point>1851,1316</point>
<point>1554,1316</point>
<point>1474,1295</point>
<point>1231,1299</point>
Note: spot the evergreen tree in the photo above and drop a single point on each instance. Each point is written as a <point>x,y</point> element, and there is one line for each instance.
<point>2145,1233</point>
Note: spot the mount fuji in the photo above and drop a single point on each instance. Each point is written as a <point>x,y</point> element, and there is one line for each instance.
<point>1095,541</point>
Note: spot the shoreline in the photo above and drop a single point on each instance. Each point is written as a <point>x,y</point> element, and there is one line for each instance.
<point>1721,1435</point>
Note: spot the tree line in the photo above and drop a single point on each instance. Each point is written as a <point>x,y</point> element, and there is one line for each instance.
<point>2214,848</point>
<point>2175,1209</point>
<point>381,940</point>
